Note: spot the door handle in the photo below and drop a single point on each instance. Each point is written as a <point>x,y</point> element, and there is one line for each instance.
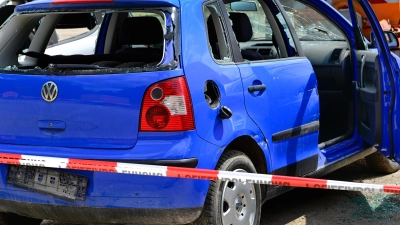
<point>52,124</point>
<point>51,127</point>
<point>363,58</point>
<point>254,88</point>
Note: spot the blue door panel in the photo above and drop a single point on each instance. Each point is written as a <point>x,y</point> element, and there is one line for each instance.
<point>295,150</point>
<point>289,101</point>
<point>200,67</point>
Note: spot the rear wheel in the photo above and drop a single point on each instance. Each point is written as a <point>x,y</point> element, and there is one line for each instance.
<point>232,203</point>
<point>380,163</point>
<point>14,219</point>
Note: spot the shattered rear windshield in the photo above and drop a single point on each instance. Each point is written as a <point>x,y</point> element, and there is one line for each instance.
<point>130,41</point>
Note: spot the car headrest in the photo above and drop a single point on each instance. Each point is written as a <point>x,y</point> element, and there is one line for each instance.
<point>78,20</point>
<point>241,26</point>
<point>141,30</point>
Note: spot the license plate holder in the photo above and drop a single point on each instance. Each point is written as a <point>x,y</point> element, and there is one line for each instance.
<point>54,182</point>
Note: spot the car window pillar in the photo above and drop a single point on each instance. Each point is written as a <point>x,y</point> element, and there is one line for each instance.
<point>275,28</point>
<point>43,34</point>
<point>235,48</point>
<point>222,44</point>
<point>356,29</point>
<point>291,29</point>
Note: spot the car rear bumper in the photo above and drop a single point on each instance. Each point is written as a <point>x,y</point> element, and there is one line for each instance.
<point>112,198</point>
<point>79,214</point>
<point>121,198</point>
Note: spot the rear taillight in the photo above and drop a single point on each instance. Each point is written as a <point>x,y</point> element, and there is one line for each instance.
<point>167,107</point>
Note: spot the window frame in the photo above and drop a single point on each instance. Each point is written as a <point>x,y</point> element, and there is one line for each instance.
<point>116,21</point>
<point>234,50</point>
<point>329,18</point>
<point>293,33</point>
<point>40,41</point>
<point>274,27</point>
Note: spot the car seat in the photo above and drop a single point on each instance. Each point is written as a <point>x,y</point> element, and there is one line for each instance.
<point>141,31</point>
<point>244,32</point>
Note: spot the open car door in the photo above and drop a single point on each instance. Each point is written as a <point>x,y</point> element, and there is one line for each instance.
<point>369,96</point>
<point>377,94</point>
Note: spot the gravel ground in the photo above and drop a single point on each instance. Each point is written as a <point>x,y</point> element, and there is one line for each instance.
<point>304,206</point>
<point>314,206</point>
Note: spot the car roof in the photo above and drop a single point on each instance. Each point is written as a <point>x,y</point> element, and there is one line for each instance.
<point>61,5</point>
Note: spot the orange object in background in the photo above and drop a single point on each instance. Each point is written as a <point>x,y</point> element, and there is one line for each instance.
<point>388,10</point>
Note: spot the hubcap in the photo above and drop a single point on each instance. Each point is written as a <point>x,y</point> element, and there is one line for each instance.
<point>238,203</point>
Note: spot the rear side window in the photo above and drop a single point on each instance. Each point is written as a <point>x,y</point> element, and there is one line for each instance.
<point>259,23</point>
<point>218,42</point>
<point>65,43</point>
<point>260,30</point>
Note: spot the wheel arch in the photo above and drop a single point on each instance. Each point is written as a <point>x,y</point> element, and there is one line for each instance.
<point>256,150</point>
<point>252,149</point>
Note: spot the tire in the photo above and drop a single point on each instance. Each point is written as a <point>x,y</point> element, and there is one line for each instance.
<point>242,201</point>
<point>381,163</point>
<point>14,219</point>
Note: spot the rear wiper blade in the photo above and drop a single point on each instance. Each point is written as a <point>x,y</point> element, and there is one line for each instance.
<point>75,67</point>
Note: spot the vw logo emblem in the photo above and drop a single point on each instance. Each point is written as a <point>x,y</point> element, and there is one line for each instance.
<point>49,91</point>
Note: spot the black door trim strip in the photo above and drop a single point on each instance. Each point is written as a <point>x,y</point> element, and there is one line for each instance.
<point>187,163</point>
<point>297,131</point>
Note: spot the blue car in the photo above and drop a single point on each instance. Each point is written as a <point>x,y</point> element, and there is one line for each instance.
<point>287,87</point>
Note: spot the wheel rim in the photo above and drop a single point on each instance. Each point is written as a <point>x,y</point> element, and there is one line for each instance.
<point>238,203</point>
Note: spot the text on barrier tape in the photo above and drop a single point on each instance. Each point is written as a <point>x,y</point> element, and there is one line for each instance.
<point>190,173</point>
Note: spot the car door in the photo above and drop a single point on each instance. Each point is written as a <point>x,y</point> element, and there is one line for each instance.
<point>377,88</point>
<point>279,86</point>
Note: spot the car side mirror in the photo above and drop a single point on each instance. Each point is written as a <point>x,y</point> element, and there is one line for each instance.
<point>244,6</point>
<point>390,37</point>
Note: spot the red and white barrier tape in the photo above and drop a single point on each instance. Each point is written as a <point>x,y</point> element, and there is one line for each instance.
<point>189,173</point>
